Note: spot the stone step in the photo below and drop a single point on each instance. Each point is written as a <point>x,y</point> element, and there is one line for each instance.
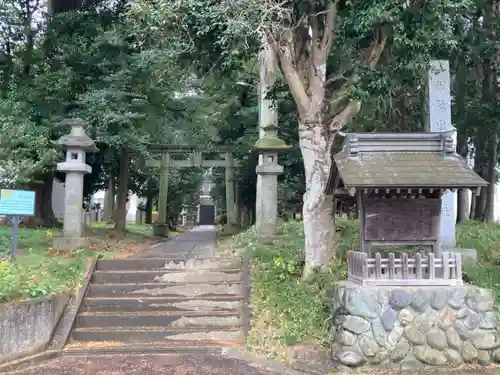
<point>216,303</point>
<point>163,263</point>
<point>154,334</point>
<point>165,276</point>
<point>165,289</point>
<point>212,319</point>
<point>85,348</point>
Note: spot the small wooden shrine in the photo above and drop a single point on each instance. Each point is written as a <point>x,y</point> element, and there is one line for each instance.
<point>398,180</point>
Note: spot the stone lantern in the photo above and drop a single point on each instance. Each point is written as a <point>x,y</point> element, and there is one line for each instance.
<point>184,214</point>
<point>76,144</point>
<point>268,169</point>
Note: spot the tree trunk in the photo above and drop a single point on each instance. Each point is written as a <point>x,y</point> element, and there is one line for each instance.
<point>489,211</point>
<point>149,206</point>
<point>489,142</point>
<point>237,206</point>
<point>109,200</point>
<point>462,205</point>
<point>489,99</point>
<point>121,212</point>
<point>480,159</point>
<point>44,215</point>
<point>462,194</point>
<point>472,210</point>
<point>317,208</point>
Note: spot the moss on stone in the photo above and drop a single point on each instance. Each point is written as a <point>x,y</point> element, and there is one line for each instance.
<point>271,142</point>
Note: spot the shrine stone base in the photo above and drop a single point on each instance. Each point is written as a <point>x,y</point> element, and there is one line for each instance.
<point>160,230</point>
<point>469,256</point>
<point>230,229</point>
<point>413,327</point>
<point>69,243</point>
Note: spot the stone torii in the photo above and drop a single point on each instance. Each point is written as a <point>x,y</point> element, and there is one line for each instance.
<point>194,161</point>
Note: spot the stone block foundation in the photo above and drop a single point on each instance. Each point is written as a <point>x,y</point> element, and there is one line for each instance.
<point>69,243</point>
<point>160,230</point>
<point>408,328</point>
<point>27,326</point>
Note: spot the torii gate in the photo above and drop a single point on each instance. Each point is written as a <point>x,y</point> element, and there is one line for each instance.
<point>160,228</point>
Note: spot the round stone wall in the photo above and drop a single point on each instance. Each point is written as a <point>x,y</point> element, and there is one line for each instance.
<point>413,327</point>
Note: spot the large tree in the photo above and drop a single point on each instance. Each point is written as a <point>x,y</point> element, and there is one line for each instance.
<point>331,55</point>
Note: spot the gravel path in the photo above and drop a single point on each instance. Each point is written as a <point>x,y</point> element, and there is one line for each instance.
<point>165,364</point>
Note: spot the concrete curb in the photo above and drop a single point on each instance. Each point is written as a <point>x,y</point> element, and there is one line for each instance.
<point>63,329</point>
<point>9,367</point>
<point>246,278</point>
<point>260,362</point>
<point>61,332</point>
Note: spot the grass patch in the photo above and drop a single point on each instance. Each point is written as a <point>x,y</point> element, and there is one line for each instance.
<point>37,271</point>
<point>40,271</point>
<point>289,311</point>
<point>132,231</point>
<point>286,309</point>
<point>137,238</point>
<point>485,238</point>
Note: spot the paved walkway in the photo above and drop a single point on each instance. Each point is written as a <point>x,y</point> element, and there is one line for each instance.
<point>166,364</point>
<point>199,242</point>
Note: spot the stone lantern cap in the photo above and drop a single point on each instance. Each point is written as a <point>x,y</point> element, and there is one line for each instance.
<point>271,143</point>
<point>77,138</point>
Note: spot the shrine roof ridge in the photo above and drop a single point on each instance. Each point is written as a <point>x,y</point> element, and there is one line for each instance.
<point>401,160</point>
<point>356,143</point>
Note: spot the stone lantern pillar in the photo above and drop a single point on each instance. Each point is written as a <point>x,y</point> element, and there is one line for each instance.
<point>268,170</point>
<point>76,144</point>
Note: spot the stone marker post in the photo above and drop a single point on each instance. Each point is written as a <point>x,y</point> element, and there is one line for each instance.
<point>440,121</point>
<point>269,170</point>
<point>230,211</point>
<point>76,144</point>
<point>139,216</point>
<point>160,228</point>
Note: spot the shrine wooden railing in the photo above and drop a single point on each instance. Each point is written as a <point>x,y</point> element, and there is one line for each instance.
<point>418,270</point>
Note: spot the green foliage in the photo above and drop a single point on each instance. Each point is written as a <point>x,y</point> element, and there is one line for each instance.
<point>485,238</point>
<point>482,236</point>
<point>36,272</point>
<point>91,63</point>
<point>219,42</point>
<point>37,276</point>
<point>286,309</point>
<point>25,152</point>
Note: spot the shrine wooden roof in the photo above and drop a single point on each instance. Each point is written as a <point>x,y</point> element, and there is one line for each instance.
<point>401,160</point>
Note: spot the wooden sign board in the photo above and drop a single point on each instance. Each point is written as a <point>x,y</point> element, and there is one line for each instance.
<point>402,219</point>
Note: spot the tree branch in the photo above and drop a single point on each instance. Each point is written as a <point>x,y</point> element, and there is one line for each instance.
<point>374,52</point>
<point>347,114</point>
<point>313,22</point>
<point>335,78</point>
<point>331,16</point>
<point>290,72</point>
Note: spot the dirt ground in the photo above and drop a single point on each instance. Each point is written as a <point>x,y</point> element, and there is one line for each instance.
<point>165,364</point>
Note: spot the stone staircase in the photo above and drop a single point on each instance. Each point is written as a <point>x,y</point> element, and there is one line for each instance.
<point>161,305</point>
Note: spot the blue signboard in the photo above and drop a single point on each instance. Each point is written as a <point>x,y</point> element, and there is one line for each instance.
<point>17,202</point>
